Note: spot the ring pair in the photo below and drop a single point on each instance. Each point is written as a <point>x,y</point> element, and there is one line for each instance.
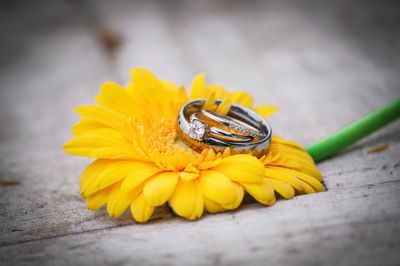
<point>241,129</point>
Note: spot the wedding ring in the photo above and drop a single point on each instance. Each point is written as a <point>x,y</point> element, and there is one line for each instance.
<point>216,131</point>
<point>234,124</point>
<point>248,132</point>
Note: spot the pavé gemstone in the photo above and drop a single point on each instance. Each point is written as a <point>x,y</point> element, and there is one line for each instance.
<point>197,129</point>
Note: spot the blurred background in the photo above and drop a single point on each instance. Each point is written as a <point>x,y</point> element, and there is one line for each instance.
<point>323,63</point>
<point>298,55</point>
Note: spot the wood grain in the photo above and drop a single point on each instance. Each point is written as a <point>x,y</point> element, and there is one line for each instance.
<point>324,64</point>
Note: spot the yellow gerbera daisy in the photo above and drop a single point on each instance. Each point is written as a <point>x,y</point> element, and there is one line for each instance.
<point>141,164</point>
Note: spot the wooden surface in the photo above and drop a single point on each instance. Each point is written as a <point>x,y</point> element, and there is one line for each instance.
<point>323,64</point>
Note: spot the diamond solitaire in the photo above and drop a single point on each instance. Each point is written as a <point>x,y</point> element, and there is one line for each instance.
<point>197,129</point>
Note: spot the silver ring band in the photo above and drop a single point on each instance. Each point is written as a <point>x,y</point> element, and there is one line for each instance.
<point>217,132</point>
<point>234,124</point>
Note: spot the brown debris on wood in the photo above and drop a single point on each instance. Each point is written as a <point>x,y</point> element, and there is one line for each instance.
<point>9,182</point>
<point>110,41</point>
<point>378,148</point>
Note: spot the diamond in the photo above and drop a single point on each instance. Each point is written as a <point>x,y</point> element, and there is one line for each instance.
<point>197,129</point>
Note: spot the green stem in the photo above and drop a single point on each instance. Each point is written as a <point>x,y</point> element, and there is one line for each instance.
<point>340,140</point>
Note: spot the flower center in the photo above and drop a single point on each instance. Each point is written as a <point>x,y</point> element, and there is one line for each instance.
<point>160,139</point>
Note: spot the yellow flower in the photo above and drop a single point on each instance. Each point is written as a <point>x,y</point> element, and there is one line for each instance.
<point>140,163</point>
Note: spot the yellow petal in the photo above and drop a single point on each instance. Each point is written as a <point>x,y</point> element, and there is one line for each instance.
<point>220,92</point>
<point>278,140</point>
<point>111,174</point>
<point>144,80</point>
<point>311,170</point>
<point>239,191</point>
<point>140,174</point>
<point>301,155</point>
<point>182,97</point>
<point>197,91</point>
<point>308,189</point>
<point>285,177</point>
<point>191,169</point>
<point>265,110</point>
<point>213,207</point>
<point>217,187</point>
<point>242,98</point>
<point>103,143</point>
<point>209,164</point>
<point>150,96</point>
<point>84,125</point>
<point>210,155</point>
<point>227,152</point>
<point>91,173</point>
<point>98,199</point>
<point>303,161</point>
<point>199,206</point>
<point>282,188</point>
<point>241,168</point>
<point>188,176</point>
<point>159,189</point>
<point>187,200</point>
<point>118,201</point>
<point>115,98</point>
<point>101,115</point>
<point>107,152</point>
<point>210,102</point>
<point>224,107</point>
<point>313,182</point>
<point>170,86</point>
<point>262,192</point>
<point>287,154</point>
<point>141,210</point>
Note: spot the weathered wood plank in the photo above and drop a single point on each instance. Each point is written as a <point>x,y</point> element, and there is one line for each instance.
<point>323,64</point>
<point>60,210</point>
<point>308,229</point>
